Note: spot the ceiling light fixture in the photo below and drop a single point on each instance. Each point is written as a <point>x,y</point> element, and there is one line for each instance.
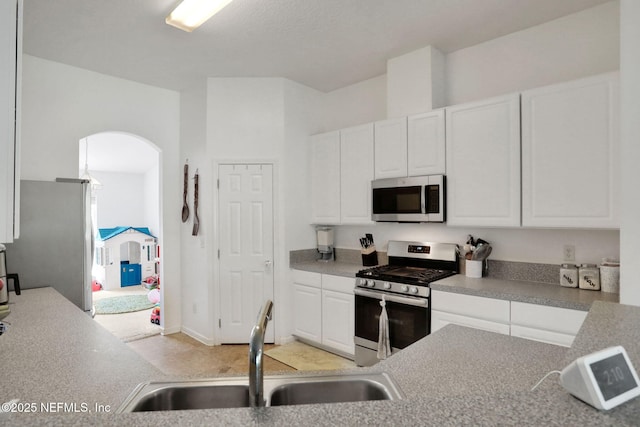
<point>190,14</point>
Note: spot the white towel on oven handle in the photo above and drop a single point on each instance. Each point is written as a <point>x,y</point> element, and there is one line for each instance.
<point>384,344</point>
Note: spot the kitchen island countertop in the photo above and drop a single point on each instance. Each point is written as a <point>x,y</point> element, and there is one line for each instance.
<point>455,376</point>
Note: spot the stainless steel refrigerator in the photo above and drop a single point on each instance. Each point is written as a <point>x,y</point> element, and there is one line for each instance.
<point>55,246</point>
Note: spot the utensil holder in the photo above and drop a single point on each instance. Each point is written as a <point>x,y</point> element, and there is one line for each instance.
<point>369,259</point>
<point>474,268</point>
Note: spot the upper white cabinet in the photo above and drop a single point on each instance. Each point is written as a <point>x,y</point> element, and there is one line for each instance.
<point>356,173</point>
<point>426,144</point>
<point>570,154</point>
<point>391,148</point>
<point>483,162</point>
<point>10,60</point>
<point>325,178</point>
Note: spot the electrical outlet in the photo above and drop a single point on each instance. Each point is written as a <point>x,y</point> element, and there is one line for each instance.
<point>569,253</point>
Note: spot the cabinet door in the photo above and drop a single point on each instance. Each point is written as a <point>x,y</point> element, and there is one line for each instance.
<point>10,41</point>
<point>391,148</point>
<point>307,312</point>
<point>570,154</point>
<point>325,178</point>
<point>553,325</point>
<point>356,173</point>
<point>483,163</point>
<point>426,144</point>
<point>338,320</point>
<point>440,319</point>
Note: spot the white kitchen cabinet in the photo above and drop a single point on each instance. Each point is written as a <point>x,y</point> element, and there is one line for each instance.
<point>10,71</point>
<point>324,311</point>
<point>553,325</point>
<point>468,310</point>
<point>483,162</point>
<point>391,148</point>
<point>356,173</point>
<point>338,305</point>
<point>325,178</point>
<point>307,305</point>
<point>426,144</point>
<point>570,154</point>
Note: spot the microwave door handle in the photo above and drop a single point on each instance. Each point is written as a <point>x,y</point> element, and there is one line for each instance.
<point>424,199</point>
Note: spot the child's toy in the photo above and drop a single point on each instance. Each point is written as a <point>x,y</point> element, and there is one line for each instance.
<point>155,315</point>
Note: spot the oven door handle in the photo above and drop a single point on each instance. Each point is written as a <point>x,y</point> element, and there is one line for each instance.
<point>418,302</point>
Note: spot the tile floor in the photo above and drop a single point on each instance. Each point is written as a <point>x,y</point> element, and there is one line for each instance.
<point>182,356</point>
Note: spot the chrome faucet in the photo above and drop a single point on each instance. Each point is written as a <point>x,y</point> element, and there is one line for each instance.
<point>256,344</point>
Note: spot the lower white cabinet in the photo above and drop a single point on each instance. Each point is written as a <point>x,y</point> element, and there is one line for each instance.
<point>323,311</point>
<point>553,325</point>
<point>467,310</point>
<point>307,305</point>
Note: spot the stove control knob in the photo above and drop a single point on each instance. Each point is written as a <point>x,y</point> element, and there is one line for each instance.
<point>404,288</point>
<point>386,285</point>
<point>371,283</point>
<point>413,290</point>
<point>362,282</point>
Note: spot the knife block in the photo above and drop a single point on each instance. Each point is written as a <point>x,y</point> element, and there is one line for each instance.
<point>369,257</point>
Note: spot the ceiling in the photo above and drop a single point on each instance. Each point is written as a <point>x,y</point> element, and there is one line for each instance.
<point>323,44</point>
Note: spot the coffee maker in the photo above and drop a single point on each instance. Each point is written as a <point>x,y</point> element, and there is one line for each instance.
<point>324,237</point>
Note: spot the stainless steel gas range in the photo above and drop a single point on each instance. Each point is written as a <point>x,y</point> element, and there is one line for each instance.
<point>404,285</point>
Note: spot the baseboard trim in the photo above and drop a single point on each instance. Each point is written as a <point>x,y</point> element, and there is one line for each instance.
<point>198,337</point>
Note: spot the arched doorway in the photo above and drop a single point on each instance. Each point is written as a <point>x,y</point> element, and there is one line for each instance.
<point>125,171</point>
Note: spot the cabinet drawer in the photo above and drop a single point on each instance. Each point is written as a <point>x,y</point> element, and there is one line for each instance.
<point>548,337</point>
<point>440,319</point>
<point>307,278</point>
<point>490,309</point>
<point>338,283</point>
<point>554,319</point>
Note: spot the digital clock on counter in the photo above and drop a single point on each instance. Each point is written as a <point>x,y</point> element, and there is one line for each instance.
<point>603,379</point>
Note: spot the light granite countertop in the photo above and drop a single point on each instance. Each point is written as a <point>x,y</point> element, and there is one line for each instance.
<point>456,376</point>
<point>512,290</point>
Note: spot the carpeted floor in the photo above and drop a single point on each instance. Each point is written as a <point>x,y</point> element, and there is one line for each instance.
<point>126,326</point>
<point>122,304</point>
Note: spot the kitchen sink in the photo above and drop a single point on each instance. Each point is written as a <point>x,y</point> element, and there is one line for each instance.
<point>173,398</point>
<point>325,391</point>
<point>278,390</point>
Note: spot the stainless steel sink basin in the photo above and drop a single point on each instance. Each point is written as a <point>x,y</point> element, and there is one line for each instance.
<point>332,391</point>
<point>278,390</point>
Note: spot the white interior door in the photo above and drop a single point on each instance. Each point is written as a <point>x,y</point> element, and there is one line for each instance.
<point>246,248</point>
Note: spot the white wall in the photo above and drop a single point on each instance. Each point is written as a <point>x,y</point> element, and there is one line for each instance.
<point>63,104</point>
<point>575,46</point>
<point>581,44</point>
<point>151,199</point>
<point>246,120</point>
<point>630,150</point>
<point>121,199</point>
<point>197,252</point>
<point>357,104</point>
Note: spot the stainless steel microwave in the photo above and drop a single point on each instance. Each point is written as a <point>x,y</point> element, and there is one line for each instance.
<point>412,199</point>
